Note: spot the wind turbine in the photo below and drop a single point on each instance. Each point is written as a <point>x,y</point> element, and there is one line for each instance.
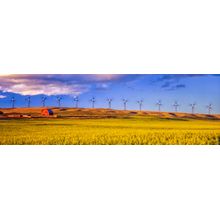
<point>140,102</point>
<point>28,100</point>
<point>109,100</point>
<point>125,103</point>
<point>76,100</point>
<point>59,98</point>
<point>13,100</point>
<point>159,104</point>
<point>193,106</point>
<point>93,101</point>
<point>176,105</point>
<point>43,100</point>
<point>209,107</point>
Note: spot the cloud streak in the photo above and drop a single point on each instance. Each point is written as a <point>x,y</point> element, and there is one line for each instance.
<point>76,84</point>
<point>172,81</point>
<point>2,96</point>
<point>58,84</point>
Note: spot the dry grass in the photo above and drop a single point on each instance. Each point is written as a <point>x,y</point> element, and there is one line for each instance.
<point>105,113</point>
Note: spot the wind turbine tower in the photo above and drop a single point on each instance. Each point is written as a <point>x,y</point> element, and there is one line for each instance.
<point>59,98</point>
<point>140,102</point>
<point>125,103</point>
<point>28,100</point>
<point>13,100</point>
<point>109,100</point>
<point>93,101</point>
<point>193,106</point>
<point>209,107</point>
<point>176,105</point>
<point>43,100</point>
<point>76,100</point>
<point>159,104</point>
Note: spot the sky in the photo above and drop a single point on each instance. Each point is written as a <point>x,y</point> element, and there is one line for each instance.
<point>202,89</point>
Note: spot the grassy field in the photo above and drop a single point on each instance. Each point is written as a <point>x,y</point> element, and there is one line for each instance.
<point>135,130</point>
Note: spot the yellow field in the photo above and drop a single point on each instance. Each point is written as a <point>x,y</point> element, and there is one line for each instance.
<point>135,130</point>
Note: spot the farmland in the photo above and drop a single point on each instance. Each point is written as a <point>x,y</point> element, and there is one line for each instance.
<point>105,127</point>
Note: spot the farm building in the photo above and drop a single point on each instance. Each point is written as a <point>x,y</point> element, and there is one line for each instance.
<point>46,112</point>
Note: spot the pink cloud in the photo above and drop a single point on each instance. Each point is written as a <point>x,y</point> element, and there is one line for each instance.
<point>57,84</point>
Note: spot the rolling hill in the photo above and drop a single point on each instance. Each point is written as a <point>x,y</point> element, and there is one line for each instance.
<point>101,113</point>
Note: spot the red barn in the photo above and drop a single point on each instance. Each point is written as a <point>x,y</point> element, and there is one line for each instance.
<point>46,112</point>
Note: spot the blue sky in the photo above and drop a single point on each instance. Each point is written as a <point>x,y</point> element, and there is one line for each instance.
<point>183,88</point>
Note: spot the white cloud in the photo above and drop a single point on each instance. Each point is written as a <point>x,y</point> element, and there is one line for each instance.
<point>2,96</point>
<point>49,89</point>
<point>57,84</point>
<point>40,85</point>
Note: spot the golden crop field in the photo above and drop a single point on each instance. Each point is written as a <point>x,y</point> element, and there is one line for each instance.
<point>127,131</point>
